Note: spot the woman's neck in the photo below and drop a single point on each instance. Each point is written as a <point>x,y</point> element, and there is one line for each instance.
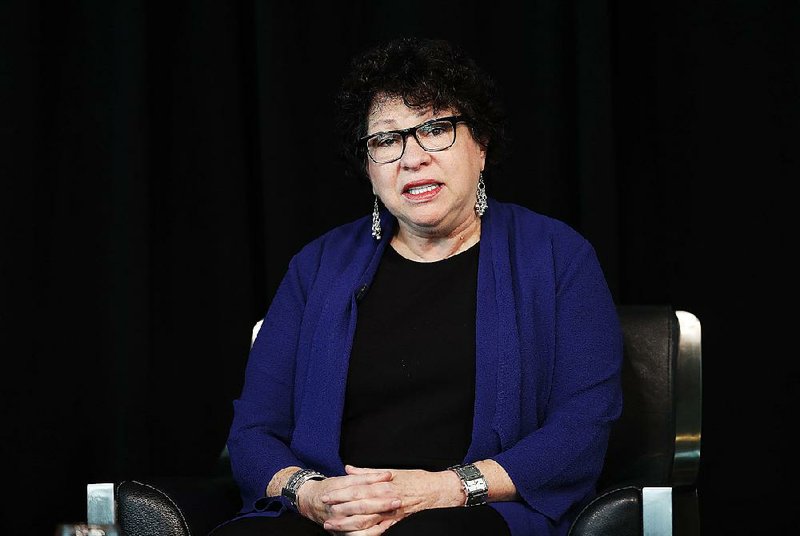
<point>422,247</point>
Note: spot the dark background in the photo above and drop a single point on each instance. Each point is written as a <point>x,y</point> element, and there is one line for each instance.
<point>156,179</point>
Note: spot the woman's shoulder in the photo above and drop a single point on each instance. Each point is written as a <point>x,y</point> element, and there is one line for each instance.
<point>534,225</point>
<point>340,242</point>
<point>353,233</point>
<point>533,235</point>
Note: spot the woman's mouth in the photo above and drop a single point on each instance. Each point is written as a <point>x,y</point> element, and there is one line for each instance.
<point>421,191</point>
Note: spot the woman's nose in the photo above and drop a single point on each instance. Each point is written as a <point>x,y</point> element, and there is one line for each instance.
<point>414,155</point>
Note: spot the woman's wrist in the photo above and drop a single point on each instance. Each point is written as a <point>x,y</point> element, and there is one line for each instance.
<point>278,481</point>
<point>473,484</point>
<point>454,494</point>
<point>297,481</point>
<point>305,495</point>
<point>501,487</point>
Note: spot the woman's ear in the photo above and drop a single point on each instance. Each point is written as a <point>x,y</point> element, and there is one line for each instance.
<point>366,169</point>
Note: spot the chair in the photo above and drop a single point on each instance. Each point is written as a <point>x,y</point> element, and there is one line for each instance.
<point>648,486</point>
<point>649,482</point>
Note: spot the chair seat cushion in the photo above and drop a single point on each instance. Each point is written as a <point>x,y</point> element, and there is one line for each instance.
<point>614,513</point>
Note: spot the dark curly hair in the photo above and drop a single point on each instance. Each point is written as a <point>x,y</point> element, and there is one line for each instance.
<point>425,73</point>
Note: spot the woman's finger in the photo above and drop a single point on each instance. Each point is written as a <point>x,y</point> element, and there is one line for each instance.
<point>352,523</point>
<point>351,487</point>
<point>383,505</point>
<point>353,470</point>
<point>339,482</point>
<point>375,530</point>
<point>376,490</point>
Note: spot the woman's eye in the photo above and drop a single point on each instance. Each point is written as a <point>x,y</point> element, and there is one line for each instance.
<point>436,129</point>
<point>385,141</point>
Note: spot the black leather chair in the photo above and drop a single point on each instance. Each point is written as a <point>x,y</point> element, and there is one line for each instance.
<point>648,486</point>
<point>649,482</point>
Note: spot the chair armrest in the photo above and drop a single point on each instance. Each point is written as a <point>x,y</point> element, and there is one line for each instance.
<point>617,512</point>
<point>175,506</point>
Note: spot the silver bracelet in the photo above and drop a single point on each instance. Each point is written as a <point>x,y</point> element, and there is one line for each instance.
<point>297,479</point>
<point>474,483</point>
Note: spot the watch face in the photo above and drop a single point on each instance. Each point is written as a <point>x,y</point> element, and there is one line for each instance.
<point>476,486</point>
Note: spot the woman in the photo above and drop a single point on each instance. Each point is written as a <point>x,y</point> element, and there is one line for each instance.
<point>449,365</point>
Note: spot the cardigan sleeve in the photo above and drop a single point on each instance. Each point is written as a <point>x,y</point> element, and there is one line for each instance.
<point>557,465</point>
<point>260,434</point>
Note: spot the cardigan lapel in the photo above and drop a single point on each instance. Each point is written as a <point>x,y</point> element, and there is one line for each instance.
<point>497,403</point>
<point>322,405</point>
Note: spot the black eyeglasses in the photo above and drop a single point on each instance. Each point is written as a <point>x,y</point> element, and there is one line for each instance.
<point>432,135</point>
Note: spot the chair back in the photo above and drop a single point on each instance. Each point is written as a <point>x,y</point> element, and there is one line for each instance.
<point>656,441</point>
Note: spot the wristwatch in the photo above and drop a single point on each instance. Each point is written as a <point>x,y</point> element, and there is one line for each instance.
<point>474,484</point>
<point>297,479</point>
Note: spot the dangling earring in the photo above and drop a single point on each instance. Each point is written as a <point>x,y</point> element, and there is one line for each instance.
<point>480,204</point>
<point>376,220</point>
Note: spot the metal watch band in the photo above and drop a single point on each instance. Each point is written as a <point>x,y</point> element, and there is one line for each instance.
<point>297,479</point>
<point>474,483</point>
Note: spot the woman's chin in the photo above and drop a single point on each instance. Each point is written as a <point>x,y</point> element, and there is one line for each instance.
<point>430,226</point>
<point>424,216</point>
<point>430,219</point>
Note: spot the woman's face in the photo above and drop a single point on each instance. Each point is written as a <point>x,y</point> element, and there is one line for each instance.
<point>431,194</point>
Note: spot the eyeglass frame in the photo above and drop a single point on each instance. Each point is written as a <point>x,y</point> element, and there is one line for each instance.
<point>406,132</point>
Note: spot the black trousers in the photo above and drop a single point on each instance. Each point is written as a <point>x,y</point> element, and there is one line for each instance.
<point>473,521</point>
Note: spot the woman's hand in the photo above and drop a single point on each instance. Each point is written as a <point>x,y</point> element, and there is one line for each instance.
<point>368,510</point>
<point>375,530</point>
<point>411,490</point>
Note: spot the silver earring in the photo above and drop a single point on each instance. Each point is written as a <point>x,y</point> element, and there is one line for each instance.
<point>376,220</point>
<point>481,204</point>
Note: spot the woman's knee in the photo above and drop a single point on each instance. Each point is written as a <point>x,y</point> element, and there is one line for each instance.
<point>474,521</point>
<point>288,524</point>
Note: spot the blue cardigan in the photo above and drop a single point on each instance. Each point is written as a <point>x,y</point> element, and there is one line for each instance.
<point>548,359</point>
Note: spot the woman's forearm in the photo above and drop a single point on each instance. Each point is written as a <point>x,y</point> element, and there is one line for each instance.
<point>501,488</point>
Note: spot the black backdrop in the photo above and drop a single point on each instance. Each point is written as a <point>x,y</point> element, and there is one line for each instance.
<point>155,184</point>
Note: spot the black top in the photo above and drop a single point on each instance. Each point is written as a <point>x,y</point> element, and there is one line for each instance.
<point>411,382</point>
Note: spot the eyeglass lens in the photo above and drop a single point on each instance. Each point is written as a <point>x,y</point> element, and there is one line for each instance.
<point>433,136</point>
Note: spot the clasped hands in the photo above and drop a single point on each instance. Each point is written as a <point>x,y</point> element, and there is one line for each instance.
<point>366,502</point>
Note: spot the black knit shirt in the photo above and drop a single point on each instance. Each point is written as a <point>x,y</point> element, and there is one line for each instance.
<point>411,380</point>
